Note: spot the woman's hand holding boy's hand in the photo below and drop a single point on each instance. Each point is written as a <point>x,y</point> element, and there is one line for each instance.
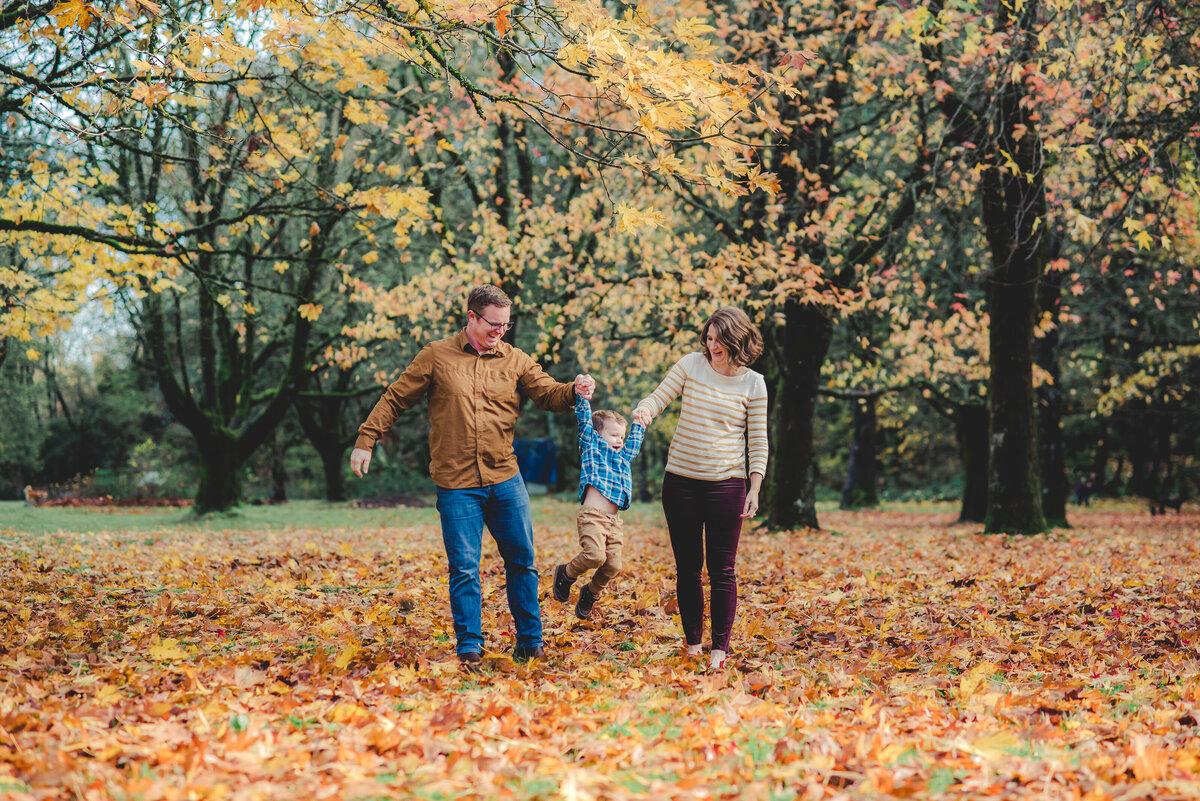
<point>585,385</point>
<point>642,416</point>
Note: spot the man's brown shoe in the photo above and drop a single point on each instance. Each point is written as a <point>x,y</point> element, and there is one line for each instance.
<point>525,654</point>
<point>469,661</point>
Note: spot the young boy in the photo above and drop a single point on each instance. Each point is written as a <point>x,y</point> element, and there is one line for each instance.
<point>605,488</point>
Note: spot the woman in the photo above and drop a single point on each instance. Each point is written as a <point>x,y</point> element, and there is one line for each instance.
<point>720,439</point>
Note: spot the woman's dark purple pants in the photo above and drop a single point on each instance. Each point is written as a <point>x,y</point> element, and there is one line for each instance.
<point>705,515</point>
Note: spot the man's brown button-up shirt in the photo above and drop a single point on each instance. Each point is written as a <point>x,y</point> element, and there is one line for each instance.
<point>473,403</point>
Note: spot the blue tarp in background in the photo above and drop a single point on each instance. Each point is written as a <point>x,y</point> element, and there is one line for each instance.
<point>537,459</point>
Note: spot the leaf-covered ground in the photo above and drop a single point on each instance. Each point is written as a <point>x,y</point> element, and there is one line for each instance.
<point>889,655</point>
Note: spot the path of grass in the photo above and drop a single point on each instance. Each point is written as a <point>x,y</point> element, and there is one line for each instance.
<point>17,518</point>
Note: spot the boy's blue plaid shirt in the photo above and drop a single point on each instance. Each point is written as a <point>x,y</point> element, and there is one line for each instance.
<point>602,467</point>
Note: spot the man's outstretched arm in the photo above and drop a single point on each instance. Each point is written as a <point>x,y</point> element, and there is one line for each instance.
<point>412,384</point>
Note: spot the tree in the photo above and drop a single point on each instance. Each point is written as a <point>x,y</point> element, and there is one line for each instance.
<point>1030,128</point>
<point>853,152</point>
<point>182,94</point>
<point>22,429</point>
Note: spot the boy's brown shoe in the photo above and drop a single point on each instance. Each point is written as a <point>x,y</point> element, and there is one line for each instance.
<point>583,609</point>
<point>562,584</point>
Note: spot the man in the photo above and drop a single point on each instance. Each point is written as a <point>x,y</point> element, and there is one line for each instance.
<point>475,383</point>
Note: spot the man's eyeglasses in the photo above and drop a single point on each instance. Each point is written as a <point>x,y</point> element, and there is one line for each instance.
<point>506,326</point>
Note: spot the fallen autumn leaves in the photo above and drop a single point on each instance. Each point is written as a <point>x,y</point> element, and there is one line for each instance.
<point>900,657</point>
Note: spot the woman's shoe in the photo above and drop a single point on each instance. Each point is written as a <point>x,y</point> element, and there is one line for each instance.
<point>716,660</point>
<point>695,650</point>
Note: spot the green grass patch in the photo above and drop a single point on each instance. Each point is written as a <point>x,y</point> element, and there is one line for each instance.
<point>21,519</point>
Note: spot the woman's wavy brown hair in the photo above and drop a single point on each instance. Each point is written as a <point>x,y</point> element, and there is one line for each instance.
<point>734,330</point>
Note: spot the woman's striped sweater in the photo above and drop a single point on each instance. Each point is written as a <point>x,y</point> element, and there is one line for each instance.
<point>722,430</point>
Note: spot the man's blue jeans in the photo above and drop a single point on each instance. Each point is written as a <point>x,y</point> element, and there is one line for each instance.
<point>504,509</point>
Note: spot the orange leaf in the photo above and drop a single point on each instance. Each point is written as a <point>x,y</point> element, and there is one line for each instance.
<point>73,13</point>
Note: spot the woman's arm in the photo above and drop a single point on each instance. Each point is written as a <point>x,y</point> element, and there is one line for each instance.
<point>667,391</point>
<point>756,429</point>
<point>756,444</point>
<point>750,509</point>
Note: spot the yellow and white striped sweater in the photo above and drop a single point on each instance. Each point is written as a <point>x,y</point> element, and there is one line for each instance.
<point>722,420</point>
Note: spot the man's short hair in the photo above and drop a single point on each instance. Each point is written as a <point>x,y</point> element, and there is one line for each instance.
<point>605,416</point>
<point>486,295</point>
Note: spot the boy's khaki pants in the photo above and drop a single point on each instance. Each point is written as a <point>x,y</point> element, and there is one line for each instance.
<point>600,546</point>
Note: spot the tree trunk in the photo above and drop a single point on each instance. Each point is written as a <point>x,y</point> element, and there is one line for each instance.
<point>1014,216</point>
<point>798,350</point>
<point>860,490</point>
<point>220,475</point>
<point>1014,491</point>
<point>335,473</point>
<point>971,433</point>
<point>1055,486</point>
<point>279,476</point>
<point>323,421</point>
<point>1099,475</point>
<point>1142,453</point>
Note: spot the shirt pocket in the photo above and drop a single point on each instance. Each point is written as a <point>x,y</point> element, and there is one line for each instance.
<point>500,384</point>
<point>499,403</point>
<point>453,382</point>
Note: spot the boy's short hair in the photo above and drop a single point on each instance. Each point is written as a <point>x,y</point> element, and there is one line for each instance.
<point>605,416</point>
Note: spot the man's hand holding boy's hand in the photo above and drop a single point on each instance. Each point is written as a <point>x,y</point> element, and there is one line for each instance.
<point>585,385</point>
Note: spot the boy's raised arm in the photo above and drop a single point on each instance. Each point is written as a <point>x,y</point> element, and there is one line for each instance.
<point>633,444</point>
<point>583,416</point>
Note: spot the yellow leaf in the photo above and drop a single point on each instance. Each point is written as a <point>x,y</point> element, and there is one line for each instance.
<point>310,311</point>
<point>150,94</point>
<point>631,219</point>
<point>167,650</point>
<point>73,13</point>
<point>973,679</point>
<point>107,695</point>
<point>994,746</point>
<point>765,181</point>
<point>689,29</point>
